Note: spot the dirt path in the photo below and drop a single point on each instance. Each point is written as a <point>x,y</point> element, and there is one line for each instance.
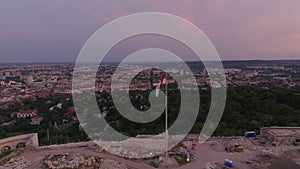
<point>205,154</point>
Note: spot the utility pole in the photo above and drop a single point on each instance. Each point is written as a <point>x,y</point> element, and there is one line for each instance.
<point>166,120</point>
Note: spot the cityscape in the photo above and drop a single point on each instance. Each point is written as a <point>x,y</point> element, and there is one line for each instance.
<point>37,98</point>
<point>149,84</point>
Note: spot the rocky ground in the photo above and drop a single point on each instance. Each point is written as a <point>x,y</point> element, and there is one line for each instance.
<point>110,164</point>
<point>16,163</point>
<point>210,154</point>
<point>62,161</point>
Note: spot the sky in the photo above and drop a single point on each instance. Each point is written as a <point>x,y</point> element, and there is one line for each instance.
<point>56,30</point>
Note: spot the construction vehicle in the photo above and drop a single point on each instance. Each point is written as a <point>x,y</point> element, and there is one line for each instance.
<point>234,148</point>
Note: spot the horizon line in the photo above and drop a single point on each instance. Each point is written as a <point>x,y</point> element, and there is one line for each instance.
<point>73,62</point>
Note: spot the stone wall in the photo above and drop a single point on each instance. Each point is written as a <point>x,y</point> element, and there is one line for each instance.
<point>25,140</point>
<point>281,135</point>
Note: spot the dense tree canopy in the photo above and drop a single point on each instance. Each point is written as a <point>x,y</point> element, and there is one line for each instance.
<point>247,108</point>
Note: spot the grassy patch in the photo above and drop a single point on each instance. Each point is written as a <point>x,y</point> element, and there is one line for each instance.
<point>181,159</point>
<point>154,164</point>
<point>3,155</point>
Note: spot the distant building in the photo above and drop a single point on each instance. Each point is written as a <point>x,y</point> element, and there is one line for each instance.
<point>281,135</point>
<point>2,83</point>
<point>7,74</point>
<point>13,122</point>
<point>1,76</point>
<point>27,113</point>
<point>30,80</point>
<point>36,120</point>
<point>59,105</point>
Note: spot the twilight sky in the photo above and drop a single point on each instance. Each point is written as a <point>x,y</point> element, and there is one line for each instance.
<point>55,30</point>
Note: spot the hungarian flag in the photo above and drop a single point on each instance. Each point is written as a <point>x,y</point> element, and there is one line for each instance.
<point>161,85</point>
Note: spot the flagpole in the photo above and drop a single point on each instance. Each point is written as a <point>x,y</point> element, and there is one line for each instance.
<point>166,120</point>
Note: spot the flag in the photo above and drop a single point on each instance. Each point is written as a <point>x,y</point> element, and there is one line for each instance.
<point>161,85</point>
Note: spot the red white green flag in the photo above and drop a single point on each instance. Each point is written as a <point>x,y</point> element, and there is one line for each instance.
<point>161,85</point>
